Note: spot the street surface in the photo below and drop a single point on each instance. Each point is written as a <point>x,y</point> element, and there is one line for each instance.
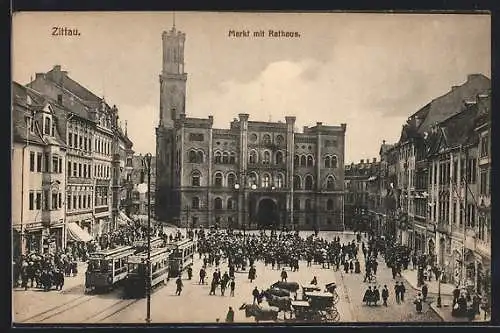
<point>195,305</point>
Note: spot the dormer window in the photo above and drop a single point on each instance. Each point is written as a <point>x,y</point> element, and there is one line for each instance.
<point>30,124</point>
<point>47,125</point>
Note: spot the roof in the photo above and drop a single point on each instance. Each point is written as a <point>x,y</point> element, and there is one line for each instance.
<point>61,77</point>
<point>21,109</point>
<point>451,103</point>
<point>455,131</point>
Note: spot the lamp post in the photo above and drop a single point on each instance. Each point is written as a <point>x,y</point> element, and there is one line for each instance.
<point>143,188</point>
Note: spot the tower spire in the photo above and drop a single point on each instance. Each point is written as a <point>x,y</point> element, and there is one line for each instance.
<point>173,20</point>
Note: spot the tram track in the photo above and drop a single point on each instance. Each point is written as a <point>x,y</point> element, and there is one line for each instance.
<point>56,310</point>
<point>110,311</point>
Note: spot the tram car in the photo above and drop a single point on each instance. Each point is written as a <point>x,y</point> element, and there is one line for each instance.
<point>107,268</point>
<point>181,257</point>
<point>137,279</point>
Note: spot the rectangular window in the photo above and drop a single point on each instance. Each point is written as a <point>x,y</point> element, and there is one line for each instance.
<point>70,139</point>
<point>79,170</point>
<point>39,158</point>
<point>54,201</point>
<point>84,201</point>
<point>89,201</point>
<point>68,200</point>
<point>53,132</point>
<point>75,140</point>
<point>85,170</point>
<point>38,201</point>
<point>31,201</point>
<point>455,171</point>
<point>60,200</point>
<point>75,169</point>
<point>85,144</point>
<point>79,202</point>
<point>55,162</point>
<point>46,162</point>
<point>69,169</point>
<point>90,171</point>
<point>32,161</point>
<point>80,145</point>
<point>483,180</point>
<point>74,202</point>
<point>484,146</point>
<point>60,165</point>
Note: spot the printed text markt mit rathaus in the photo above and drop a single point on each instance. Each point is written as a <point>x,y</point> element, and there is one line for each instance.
<point>262,33</point>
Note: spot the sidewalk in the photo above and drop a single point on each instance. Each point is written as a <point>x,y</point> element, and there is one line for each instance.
<point>70,282</point>
<point>446,298</point>
<point>411,277</point>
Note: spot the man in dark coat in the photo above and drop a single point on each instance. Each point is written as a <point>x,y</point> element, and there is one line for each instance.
<point>402,291</point>
<point>230,315</point>
<point>397,292</point>
<point>425,290</point>
<point>179,284</point>
<point>284,275</point>
<point>367,298</point>
<point>376,295</point>
<point>255,294</point>
<point>385,294</point>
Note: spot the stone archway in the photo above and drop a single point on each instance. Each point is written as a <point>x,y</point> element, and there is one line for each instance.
<point>267,213</point>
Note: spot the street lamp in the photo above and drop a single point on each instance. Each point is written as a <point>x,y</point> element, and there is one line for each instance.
<point>440,275</point>
<point>143,188</point>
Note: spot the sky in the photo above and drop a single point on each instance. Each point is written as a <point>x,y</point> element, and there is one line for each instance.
<point>371,71</point>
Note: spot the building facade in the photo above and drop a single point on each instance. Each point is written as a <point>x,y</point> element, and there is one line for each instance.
<point>140,176</point>
<point>91,165</point>
<point>38,173</point>
<point>442,186</point>
<point>360,181</point>
<point>251,174</point>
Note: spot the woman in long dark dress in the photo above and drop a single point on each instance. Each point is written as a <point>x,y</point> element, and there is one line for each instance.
<point>367,298</point>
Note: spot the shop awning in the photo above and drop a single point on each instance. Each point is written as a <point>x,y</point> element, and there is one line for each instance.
<point>77,234</point>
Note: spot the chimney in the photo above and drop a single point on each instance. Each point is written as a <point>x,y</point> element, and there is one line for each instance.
<point>383,142</point>
<point>362,161</point>
<point>57,68</point>
<point>454,87</point>
<point>374,160</point>
<point>40,75</point>
<point>318,124</point>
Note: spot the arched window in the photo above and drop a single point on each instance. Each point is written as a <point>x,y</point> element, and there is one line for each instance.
<point>297,184</point>
<point>230,203</point>
<point>266,139</point>
<point>218,203</point>
<point>303,160</point>
<point>279,140</point>
<point>195,203</point>
<point>334,162</point>
<point>195,178</point>
<point>225,158</point>
<point>267,158</point>
<point>266,180</point>
<point>279,157</point>
<point>252,179</point>
<point>218,179</point>
<point>296,161</point>
<point>192,156</point>
<point>232,158</point>
<point>231,180</point>
<point>330,183</point>
<point>279,180</point>
<point>329,204</point>
<point>327,162</point>
<point>308,204</point>
<point>296,204</point>
<point>309,182</point>
<point>218,157</point>
<point>252,159</point>
<point>199,157</point>
<point>310,161</point>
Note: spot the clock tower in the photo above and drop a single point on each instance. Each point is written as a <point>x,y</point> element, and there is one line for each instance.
<point>172,78</point>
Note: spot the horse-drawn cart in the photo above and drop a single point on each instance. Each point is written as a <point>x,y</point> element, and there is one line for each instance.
<point>322,306</point>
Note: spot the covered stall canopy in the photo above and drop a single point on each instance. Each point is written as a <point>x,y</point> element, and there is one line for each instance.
<point>76,233</point>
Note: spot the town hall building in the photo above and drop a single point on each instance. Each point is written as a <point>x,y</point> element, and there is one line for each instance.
<point>251,175</point>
